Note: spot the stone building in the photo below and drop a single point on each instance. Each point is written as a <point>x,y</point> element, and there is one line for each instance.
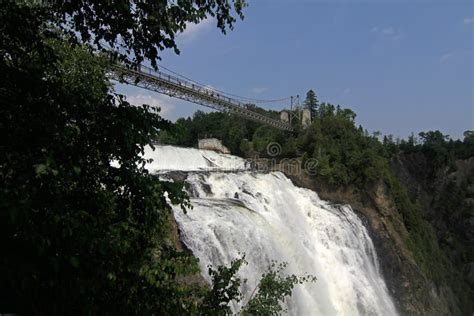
<point>285,116</point>
<point>306,118</point>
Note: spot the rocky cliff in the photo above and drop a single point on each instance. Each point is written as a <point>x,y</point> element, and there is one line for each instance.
<point>416,289</point>
<point>439,281</point>
<point>445,196</point>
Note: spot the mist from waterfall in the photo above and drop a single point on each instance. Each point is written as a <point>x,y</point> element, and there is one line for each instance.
<point>266,217</point>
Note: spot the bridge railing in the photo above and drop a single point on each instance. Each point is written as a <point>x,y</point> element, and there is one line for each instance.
<point>178,87</point>
<point>190,85</point>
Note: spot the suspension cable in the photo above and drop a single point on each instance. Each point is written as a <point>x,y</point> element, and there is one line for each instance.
<point>223,92</point>
<point>205,86</point>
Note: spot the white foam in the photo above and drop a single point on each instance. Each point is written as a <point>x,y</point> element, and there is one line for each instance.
<point>268,218</point>
<point>171,158</point>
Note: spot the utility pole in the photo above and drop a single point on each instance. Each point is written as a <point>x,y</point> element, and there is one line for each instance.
<point>295,109</point>
<point>291,110</point>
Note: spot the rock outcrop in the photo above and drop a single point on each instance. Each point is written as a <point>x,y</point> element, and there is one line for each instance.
<point>413,292</point>
<point>213,144</point>
<point>445,198</point>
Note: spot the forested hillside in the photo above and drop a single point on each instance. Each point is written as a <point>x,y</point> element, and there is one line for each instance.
<point>439,231</point>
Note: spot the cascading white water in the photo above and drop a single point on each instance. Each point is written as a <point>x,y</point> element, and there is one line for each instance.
<point>171,158</point>
<point>266,217</point>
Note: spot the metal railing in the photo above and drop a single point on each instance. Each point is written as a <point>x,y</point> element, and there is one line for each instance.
<point>173,86</point>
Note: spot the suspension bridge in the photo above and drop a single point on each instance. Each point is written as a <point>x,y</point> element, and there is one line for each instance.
<point>189,90</point>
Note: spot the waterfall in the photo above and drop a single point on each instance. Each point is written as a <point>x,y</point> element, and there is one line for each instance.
<point>266,217</point>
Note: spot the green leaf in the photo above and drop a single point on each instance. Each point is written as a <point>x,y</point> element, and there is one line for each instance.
<point>74,262</point>
<point>40,169</point>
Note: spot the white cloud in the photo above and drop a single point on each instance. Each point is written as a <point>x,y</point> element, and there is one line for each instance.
<point>388,32</point>
<point>162,101</point>
<point>468,21</point>
<point>259,90</point>
<point>193,30</point>
<point>346,91</point>
<point>446,57</point>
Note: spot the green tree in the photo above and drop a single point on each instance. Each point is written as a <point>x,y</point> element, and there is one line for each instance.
<point>268,298</point>
<point>272,289</point>
<point>134,27</point>
<point>225,289</point>
<point>311,102</point>
<point>80,234</point>
<point>436,149</point>
<point>84,228</point>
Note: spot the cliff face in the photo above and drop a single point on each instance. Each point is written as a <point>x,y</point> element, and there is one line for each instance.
<point>445,196</point>
<point>444,210</point>
<point>414,292</point>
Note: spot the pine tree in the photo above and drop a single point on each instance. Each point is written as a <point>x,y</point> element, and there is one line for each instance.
<point>311,102</point>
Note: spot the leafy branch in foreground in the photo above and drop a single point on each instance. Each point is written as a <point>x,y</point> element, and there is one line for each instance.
<point>273,288</point>
<point>78,234</point>
<point>225,288</point>
<point>268,297</point>
<point>137,28</point>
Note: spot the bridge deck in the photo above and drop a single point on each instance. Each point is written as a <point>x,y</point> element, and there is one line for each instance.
<point>175,87</point>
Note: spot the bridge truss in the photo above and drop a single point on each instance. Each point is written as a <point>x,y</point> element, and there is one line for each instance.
<point>175,87</point>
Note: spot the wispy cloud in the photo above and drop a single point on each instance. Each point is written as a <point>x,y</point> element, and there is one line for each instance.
<point>193,30</point>
<point>259,90</point>
<point>446,57</point>
<point>162,101</point>
<point>388,32</point>
<point>468,21</point>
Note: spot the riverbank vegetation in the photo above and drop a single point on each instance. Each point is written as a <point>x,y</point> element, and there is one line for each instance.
<point>348,156</point>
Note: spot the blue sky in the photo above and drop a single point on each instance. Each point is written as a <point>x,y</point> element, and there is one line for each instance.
<point>402,66</point>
